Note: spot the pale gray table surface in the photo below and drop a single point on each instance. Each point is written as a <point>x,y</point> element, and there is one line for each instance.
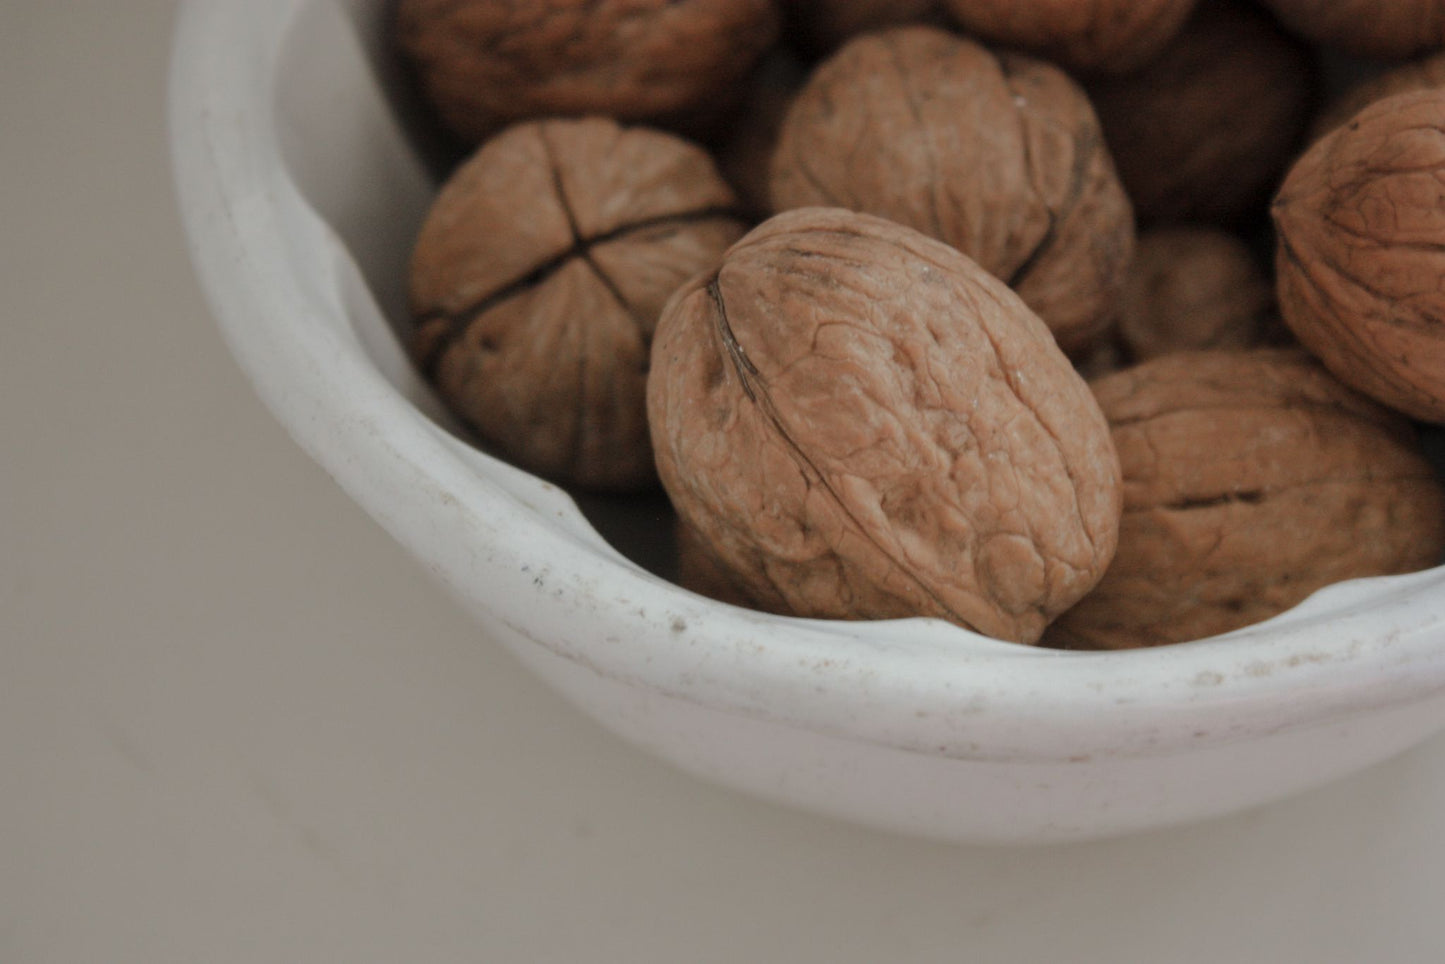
<point>238,724</point>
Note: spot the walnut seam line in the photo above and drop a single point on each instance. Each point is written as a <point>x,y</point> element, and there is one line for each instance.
<point>459,321</point>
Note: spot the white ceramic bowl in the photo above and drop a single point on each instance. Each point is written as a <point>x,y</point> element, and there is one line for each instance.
<point>301,193</point>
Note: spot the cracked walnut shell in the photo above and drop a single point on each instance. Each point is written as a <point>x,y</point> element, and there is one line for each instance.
<point>1360,222</point>
<point>862,423</point>
<point>537,279</point>
<point>1251,479</point>
<point>486,63</point>
<point>999,155</point>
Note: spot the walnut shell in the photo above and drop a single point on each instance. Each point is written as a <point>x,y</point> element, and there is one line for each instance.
<point>1251,479</point>
<point>1193,288</point>
<point>486,63</point>
<point>1421,74</point>
<point>1369,28</point>
<point>998,155</point>
<point>1361,250</point>
<point>537,279</point>
<point>1204,132</point>
<point>1092,35</point>
<point>862,423</point>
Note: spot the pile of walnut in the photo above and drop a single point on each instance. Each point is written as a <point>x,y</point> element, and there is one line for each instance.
<point>835,273</point>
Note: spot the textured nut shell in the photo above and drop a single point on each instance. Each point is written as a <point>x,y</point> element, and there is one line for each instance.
<point>1420,74</point>
<point>864,424</point>
<point>1361,250</point>
<point>824,25</point>
<point>537,279</point>
<point>999,156</point>
<point>1193,288</point>
<point>1103,35</point>
<point>486,63</point>
<point>1204,132</point>
<point>1370,28</point>
<point>1251,479</point>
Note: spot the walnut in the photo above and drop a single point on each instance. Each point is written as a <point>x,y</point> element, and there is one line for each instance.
<point>1093,35</point>
<point>537,279</point>
<point>1399,28</point>
<point>1421,74</point>
<point>1193,288</point>
<point>862,423</point>
<point>1360,223</point>
<point>998,155</point>
<point>824,25</point>
<point>487,63</point>
<point>1204,132</point>
<point>1251,479</point>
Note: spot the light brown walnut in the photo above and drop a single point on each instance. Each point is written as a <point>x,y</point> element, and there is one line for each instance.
<point>998,155</point>
<point>1369,28</point>
<point>1251,479</point>
<point>862,423</point>
<point>1193,288</point>
<point>1204,132</point>
<point>537,279</point>
<point>1108,36</point>
<point>1360,223</point>
<point>486,63</point>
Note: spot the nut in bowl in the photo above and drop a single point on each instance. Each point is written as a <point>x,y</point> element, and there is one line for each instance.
<point>303,192</point>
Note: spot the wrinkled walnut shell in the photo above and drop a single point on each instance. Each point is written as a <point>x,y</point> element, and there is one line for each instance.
<point>1398,28</point>
<point>1203,132</point>
<point>1109,36</point>
<point>1251,479</point>
<point>486,63</point>
<point>1361,250</point>
<point>998,155</point>
<point>537,279</point>
<point>1190,289</point>
<point>862,423</point>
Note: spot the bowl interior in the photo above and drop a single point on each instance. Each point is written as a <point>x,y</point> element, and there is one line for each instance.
<point>362,153</point>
